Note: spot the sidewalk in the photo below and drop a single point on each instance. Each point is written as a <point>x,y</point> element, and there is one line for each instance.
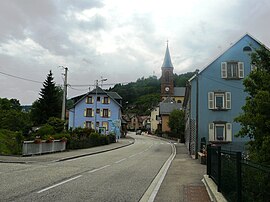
<point>183,181</point>
<point>66,155</point>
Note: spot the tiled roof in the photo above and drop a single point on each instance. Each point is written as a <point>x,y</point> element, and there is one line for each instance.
<point>179,91</point>
<point>167,108</point>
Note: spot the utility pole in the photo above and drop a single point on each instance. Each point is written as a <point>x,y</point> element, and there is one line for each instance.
<point>63,116</point>
<point>95,112</point>
<point>197,114</point>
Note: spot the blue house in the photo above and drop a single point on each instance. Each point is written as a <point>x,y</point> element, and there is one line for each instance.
<point>98,110</point>
<point>214,97</point>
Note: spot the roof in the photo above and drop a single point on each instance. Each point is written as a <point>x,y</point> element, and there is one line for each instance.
<point>113,95</point>
<point>247,34</point>
<point>167,63</point>
<point>179,91</point>
<point>167,108</point>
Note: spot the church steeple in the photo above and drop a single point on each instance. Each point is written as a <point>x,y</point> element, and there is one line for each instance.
<point>167,63</point>
<point>167,86</point>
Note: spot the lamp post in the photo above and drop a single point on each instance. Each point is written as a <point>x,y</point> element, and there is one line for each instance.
<point>95,112</point>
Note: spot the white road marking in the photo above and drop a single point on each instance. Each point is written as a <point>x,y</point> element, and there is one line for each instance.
<point>97,169</point>
<point>121,160</point>
<point>132,155</point>
<point>58,184</point>
<point>141,152</point>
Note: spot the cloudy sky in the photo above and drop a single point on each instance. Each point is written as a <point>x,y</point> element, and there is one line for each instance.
<point>121,40</point>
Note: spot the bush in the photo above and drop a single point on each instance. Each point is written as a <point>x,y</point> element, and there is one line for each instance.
<point>10,142</point>
<point>45,130</point>
<point>57,124</point>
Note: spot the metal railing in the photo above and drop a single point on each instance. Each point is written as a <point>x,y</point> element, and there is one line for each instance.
<point>237,179</point>
<point>32,148</point>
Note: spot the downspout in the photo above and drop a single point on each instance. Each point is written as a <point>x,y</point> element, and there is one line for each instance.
<point>197,114</point>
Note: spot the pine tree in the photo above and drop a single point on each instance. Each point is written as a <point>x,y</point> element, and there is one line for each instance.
<point>49,103</point>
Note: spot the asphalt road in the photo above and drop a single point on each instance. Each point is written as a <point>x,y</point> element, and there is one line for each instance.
<point>119,175</point>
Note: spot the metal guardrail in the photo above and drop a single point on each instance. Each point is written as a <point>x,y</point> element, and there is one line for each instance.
<point>32,148</point>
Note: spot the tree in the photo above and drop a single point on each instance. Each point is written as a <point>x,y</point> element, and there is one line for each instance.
<point>49,103</point>
<point>255,119</point>
<point>177,123</point>
<point>11,116</point>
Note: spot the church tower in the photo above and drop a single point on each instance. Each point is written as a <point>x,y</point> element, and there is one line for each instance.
<point>167,87</point>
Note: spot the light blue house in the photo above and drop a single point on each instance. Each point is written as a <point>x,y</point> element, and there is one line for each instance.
<point>97,106</point>
<point>214,97</point>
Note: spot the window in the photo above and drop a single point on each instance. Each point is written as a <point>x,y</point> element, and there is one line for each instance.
<point>220,131</point>
<point>98,99</point>
<point>98,111</point>
<point>88,124</point>
<point>232,70</point>
<point>219,100</point>
<point>88,112</point>
<point>247,49</point>
<point>167,77</point>
<point>105,125</point>
<point>106,113</point>
<point>106,100</point>
<point>97,124</point>
<point>89,100</point>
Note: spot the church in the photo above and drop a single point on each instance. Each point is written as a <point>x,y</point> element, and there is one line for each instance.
<point>171,97</point>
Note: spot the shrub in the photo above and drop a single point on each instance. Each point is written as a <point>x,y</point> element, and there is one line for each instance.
<point>10,142</point>
<point>45,130</point>
<point>57,124</point>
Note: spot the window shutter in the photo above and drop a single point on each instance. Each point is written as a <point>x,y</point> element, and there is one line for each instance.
<point>228,100</point>
<point>92,113</point>
<point>241,69</point>
<point>86,99</point>
<point>228,132</point>
<point>109,113</point>
<point>102,101</point>
<point>210,100</point>
<point>92,125</point>
<point>101,112</point>
<point>84,124</point>
<point>84,112</point>
<point>252,67</point>
<point>109,100</point>
<point>211,132</point>
<point>224,70</point>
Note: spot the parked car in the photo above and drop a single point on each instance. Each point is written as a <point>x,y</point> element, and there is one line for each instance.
<point>138,132</point>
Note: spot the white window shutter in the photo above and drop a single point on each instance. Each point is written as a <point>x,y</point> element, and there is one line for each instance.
<point>101,112</point>
<point>228,132</point>
<point>210,100</point>
<point>211,132</point>
<point>84,124</point>
<point>109,100</point>
<point>92,125</point>
<point>86,100</point>
<point>241,69</point>
<point>228,100</point>
<point>92,113</point>
<point>224,70</point>
<point>109,113</point>
<point>84,112</point>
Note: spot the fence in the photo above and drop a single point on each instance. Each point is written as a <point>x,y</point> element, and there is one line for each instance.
<point>237,179</point>
<point>31,148</point>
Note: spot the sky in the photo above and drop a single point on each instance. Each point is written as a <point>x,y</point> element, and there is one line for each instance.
<point>118,40</point>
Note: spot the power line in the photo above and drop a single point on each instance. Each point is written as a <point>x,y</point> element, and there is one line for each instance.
<point>18,77</point>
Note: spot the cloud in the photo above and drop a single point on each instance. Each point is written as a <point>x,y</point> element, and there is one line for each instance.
<point>120,40</point>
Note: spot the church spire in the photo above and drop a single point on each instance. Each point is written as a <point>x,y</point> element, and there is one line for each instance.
<point>167,63</point>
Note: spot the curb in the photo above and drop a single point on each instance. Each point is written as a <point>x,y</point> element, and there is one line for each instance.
<point>72,157</point>
<point>211,188</point>
<point>89,154</point>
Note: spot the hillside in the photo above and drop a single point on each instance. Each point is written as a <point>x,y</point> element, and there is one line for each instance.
<point>141,96</point>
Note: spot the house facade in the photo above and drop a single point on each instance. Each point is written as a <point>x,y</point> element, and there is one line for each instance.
<point>98,110</point>
<point>214,97</point>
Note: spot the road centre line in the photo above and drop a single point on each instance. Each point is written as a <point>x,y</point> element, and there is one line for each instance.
<point>132,155</point>
<point>97,169</point>
<point>58,184</point>
<point>121,160</point>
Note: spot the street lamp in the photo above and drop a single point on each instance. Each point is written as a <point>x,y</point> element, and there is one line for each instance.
<point>95,114</point>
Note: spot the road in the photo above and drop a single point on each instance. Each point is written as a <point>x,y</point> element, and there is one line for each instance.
<point>119,175</point>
